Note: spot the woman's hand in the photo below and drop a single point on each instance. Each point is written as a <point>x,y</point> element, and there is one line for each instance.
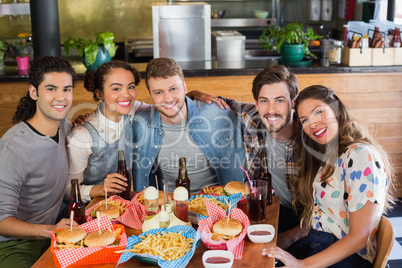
<point>114,183</point>
<point>283,256</point>
<point>201,96</point>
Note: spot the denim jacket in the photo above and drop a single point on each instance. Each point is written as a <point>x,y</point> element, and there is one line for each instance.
<point>217,133</point>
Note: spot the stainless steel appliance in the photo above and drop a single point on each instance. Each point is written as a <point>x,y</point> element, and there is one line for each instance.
<point>182,31</point>
<point>228,45</point>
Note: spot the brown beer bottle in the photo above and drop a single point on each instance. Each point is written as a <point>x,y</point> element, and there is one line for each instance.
<point>265,175</point>
<point>122,169</point>
<point>76,203</point>
<point>182,179</point>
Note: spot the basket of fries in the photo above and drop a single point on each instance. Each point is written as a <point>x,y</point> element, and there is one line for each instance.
<point>90,255</point>
<point>166,247</point>
<point>235,245</point>
<point>197,206</point>
<point>128,213</point>
<point>213,190</point>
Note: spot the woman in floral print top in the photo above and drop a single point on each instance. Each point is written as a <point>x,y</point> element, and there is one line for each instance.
<point>343,185</point>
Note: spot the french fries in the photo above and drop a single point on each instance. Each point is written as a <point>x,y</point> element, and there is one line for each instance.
<point>197,205</point>
<point>213,190</point>
<point>169,246</point>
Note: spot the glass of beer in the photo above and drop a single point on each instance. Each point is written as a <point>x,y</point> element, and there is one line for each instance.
<point>256,194</point>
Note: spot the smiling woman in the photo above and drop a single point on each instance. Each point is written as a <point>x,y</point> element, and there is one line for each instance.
<point>344,185</point>
<point>106,131</point>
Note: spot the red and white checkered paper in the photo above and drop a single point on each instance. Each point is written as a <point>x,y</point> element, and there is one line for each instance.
<point>140,208</point>
<point>216,213</point>
<point>130,217</point>
<point>67,257</point>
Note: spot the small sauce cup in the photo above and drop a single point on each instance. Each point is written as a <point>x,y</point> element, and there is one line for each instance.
<point>217,253</point>
<point>254,233</point>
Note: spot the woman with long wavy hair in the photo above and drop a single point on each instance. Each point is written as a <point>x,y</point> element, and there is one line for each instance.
<point>343,185</point>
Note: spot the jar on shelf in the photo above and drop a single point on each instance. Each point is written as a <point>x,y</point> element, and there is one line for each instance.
<point>335,52</point>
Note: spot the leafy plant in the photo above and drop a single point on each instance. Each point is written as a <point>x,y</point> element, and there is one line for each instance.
<point>22,43</point>
<point>4,48</point>
<point>90,48</point>
<point>273,37</point>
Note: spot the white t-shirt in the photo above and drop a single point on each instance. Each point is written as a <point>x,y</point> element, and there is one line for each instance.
<point>359,177</point>
<point>79,144</point>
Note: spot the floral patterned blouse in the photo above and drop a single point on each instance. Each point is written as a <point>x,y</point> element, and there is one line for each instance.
<point>359,177</point>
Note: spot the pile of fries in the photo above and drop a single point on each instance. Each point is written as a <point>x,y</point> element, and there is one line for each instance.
<point>214,190</point>
<point>197,205</point>
<point>169,246</point>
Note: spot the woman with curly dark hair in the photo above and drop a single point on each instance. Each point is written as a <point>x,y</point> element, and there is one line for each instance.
<point>93,147</point>
<point>344,185</point>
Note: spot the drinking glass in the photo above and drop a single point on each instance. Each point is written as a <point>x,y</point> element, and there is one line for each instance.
<point>256,194</point>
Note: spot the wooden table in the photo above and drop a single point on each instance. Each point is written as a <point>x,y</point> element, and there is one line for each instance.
<point>251,255</point>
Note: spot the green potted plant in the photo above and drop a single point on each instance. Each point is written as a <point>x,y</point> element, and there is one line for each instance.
<point>4,50</point>
<point>291,41</point>
<point>93,53</point>
<point>22,45</point>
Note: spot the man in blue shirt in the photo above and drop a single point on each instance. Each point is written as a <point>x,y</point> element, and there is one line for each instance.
<point>175,126</point>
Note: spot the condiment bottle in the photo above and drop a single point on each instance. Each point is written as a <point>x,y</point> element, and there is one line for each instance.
<point>375,35</point>
<point>396,39</point>
<point>345,35</point>
<point>151,196</point>
<point>122,169</point>
<point>182,179</point>
<point>76,203</point>
<point>335,52</point>
<point>164,220</point>
<point>180,196</point>
<point>265,175</point>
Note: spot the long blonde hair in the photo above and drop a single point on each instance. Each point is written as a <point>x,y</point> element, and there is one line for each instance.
<point>312,156</point>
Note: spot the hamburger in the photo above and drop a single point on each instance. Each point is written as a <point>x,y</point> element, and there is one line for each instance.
<point>96,239</point>
<point>235,187</point>
<point>70,239</point>
<point>112,211</point>
<point>226,230</point>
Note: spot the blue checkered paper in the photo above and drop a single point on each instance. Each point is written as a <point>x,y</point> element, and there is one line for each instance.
<point>188,232</point>
<point>232,199</point>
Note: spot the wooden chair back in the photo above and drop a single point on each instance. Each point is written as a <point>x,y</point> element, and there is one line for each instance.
<point>385,241</point>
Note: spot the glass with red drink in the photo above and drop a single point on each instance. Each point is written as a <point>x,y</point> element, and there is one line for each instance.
<point>256,194</point>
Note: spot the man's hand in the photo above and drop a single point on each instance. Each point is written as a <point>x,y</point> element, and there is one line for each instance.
<point>81,119</point>
<point>201,96</point>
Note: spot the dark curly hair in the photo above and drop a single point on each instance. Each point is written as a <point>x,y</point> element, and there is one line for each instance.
<point>48,64</point>
<point>95,80</point>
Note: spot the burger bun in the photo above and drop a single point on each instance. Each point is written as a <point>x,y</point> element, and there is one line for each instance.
<point>96,239</point>
<point>227,228</point>
<point>235,187</point>
<point>73,236</point>
<point>112,211</point>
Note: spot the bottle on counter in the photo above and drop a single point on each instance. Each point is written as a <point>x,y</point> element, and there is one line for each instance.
<point>345,35</point>
<point>265,175</point>
<point>376,33</point>
<point>180,196</point>
<point>76,203</point>
<point>122,169</point>
<point>335,52</point>
<point>182,179</point>
<point>396,38</point>
<point>151,197</point>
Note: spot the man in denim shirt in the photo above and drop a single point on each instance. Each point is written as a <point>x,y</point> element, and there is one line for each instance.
<point>175,126</point>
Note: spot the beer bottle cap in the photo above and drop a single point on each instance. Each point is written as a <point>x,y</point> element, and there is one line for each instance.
<point>151,193</point>
<point>180,194</point>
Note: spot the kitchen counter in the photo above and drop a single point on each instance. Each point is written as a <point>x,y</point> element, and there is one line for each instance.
<point>215,68</point>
